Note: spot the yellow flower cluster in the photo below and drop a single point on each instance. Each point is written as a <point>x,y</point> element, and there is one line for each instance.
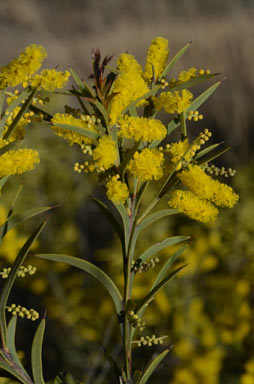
<point>141,128</point>
<point>192,206</point>
<point>18,161</point>
<point>30,314</point>
<point>147,165</point>
<point>187,75</point>
<point>173,102</point>
<point>86,122</point>
<point>117,191</point>
<point>50,79</point>
<point>156,60</point>
<point>247,378</point>
<point>19,69</point>
<point>207,188</point>
<point>178,149</point>
<point>128,86</point>
<point>105,153</point>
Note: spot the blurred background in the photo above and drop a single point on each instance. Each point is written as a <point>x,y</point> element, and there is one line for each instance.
<point>208,311</point>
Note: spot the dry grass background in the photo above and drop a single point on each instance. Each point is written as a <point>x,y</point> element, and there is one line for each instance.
<point>221,30</point>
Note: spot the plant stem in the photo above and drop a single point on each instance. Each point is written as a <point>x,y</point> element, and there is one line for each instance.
<point>183,127</point>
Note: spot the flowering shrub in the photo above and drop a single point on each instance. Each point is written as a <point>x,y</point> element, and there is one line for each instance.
<point>123,140</point>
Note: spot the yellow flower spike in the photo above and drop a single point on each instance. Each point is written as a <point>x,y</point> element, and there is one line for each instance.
<point>192,206</point>
<point>187,75</point>
<point>147,165</point>
<point>173,102</point>
<point>197,181</point>
<point>72,137</point>
<point>20,68</point>
<point>105,153</point>
<point>156,60</point>
<point>50,79</point>
<point>141,128</point>
<point>18,161</point>
<point>117,191</point>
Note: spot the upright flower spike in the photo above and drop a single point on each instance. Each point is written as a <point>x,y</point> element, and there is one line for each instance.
<point>147,165</point>
<point>128,86</point>
<point>18,161</point>
<point>19,69</point>
<point>141,128</point>
<point>156,60</point>
<point>173,102</point>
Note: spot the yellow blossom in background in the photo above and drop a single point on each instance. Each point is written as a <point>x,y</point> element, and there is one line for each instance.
<point>147,165</point>
<point>117,191</point>
<point>248,376</point>
<point>73,137</point>
<point>156,60</point>
<point>18,161</point>
<point>18,70</point>
<point>205,187</point>
<point>192,206</point>
<point>50,79</point>
<point>173,102</point>
<point>105,153</point>
<point>141,128</point>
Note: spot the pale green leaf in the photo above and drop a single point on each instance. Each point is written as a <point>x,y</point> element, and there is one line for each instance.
<point>175,59</point>
<point>203,97</point>
<point>191,83</point>
<point>161,245</point>
<point>152,366</point>
<point>154,217</point>
<point>206,150</point>
<point>82,84</point>
<point>12,276</point>
<point>36,354</point>
<point>94,271</point>
<point>79,130</point>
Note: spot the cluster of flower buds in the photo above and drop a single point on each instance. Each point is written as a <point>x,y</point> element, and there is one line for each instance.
<point>137,267</point>
<point>195,115</point>
<point>136,321</point>
<point>164,83</point>
<point>76,112</point>
<point>40,100</point>
<point>204,136</point>
<point>202,72</point>
<point>149,341</point>
<point>30,270</point>
<point>90,119</point>
<point>213,170</point>
<point>30,314</point>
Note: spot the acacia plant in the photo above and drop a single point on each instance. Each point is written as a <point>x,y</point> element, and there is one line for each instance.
<point>119,130</point>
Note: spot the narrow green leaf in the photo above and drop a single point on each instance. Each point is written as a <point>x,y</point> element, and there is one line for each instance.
<point>19,218</point>
<point>82,84</point>
<point>79,130</point>
<point>133,110</point>
<point>11,107</point>
<point>172,126</point>
<point>10,341</point>
<point>125,220</point>
<point>114,366</point>
<point>112,69</point>
<point>105,210</point>
<point>102,110</point>
<point>3,181</point>
<point>127,158</point>
<point>94,271</point>
<point>174,61</point>
<point>12,276</point>
<point>13,370</point>
<point>152,366</point>
<point>2,95</point>
<point>20,114</point>
<point>36,354</point>
<point>161,245</point>
<point>203,97</point>
<point>214,156</point>
<point>191,83</point>
<point>157,288</point>
<point>7,147</point>
<point>168,265</point>
<point>207,150</point>
<point>154,217</point>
